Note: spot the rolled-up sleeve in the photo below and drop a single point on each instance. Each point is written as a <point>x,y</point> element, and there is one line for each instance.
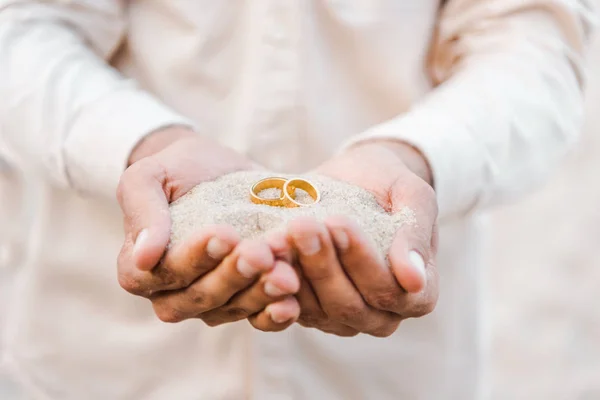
<point>509,100</point>
<point>63,109</point>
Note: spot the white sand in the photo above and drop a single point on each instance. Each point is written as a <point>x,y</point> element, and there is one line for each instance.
<point>226,201</point>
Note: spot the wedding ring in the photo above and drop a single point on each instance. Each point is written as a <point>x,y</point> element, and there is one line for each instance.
<point>270,183</point>
<point>289,192</point>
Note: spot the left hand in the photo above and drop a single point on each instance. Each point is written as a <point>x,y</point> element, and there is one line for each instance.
<point>348,288</point>
<point>210,275</point>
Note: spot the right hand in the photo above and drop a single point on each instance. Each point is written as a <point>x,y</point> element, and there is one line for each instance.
<point>200,274</point>
<point>347,287</point>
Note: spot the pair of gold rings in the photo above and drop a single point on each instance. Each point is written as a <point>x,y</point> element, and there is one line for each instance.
<point>288,192</point>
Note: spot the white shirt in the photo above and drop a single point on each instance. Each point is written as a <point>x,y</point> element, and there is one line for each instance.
<point>489,90</point>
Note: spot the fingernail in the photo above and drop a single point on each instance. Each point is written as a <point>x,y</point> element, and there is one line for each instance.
<point>245,269</point>
<point>417,262</point>
<point>275,318</point>
<point>217,249</point>
<point>140,240</point>
<point>341,238</point>
<point>309,245</point>
<point>272,290</point>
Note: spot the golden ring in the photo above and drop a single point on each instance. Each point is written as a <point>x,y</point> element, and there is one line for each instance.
<point>289,192</point>
<point>269,183</point>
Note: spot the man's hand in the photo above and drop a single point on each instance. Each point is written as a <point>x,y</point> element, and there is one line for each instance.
<point>347,287</point>
<point>164,167</point>
<point>210,275</point>
<point>247,284</point>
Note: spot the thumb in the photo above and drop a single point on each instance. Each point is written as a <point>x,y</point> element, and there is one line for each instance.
<point>414,246</point>
<point>146,212</point>
<point>410,259</point>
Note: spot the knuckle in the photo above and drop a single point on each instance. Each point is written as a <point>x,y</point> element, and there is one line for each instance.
<point>224,315</point>
<point>211,321</point>
<point>384,299</point>
<point>385,330</point>
<point>421,309</point>
<point>350,312</point>
<point>236,313</point>
<point>307,321</point>
<point>200,299</point>
<point>342,331</point>
<point>312,318</point>
<point>168,314</point>
<point>427,308</point>
<point>168,278</point>
<point>131,285</point>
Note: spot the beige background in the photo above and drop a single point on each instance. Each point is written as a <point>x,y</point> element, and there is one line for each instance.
<point>545,278</point>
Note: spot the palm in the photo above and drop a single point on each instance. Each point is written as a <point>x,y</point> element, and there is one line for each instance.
<point>377,169</point>
<point>188,163</point>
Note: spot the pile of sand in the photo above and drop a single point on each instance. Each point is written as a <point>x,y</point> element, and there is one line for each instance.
<point>226,201</point>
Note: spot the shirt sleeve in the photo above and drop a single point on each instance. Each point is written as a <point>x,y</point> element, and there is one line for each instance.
<point>508,100</point>
<point>63,109</point>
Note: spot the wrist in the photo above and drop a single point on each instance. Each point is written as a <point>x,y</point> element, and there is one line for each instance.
<point>159,140</point>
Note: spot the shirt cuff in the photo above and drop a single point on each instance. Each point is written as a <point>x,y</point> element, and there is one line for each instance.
<point>106,132</point>
<point>456,159</point>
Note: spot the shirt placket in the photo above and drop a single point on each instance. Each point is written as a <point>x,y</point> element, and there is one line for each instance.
<point>275,135</point>
<point>275,122</point>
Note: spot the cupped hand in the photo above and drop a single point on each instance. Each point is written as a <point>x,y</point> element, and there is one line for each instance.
<point>347,287</point>
<point>247,284</point>
<point>210,275</point>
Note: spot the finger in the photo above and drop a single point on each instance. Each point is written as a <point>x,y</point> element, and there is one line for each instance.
<point>374,280</point>
<point>235,273</point>
<point>337,295</point>
<point>412,248</point>
<point>364,265</point>
<point>311,313</point>
<point>145,207</point>
<point>199,254</point>
<point>183,263</point>
<point>277,316</point>
<point>280,246</point>
<point>281,282</point>
<point>422,302</point>
<point>313,316</point>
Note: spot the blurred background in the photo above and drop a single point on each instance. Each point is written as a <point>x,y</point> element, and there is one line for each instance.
<point>544,278</point>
